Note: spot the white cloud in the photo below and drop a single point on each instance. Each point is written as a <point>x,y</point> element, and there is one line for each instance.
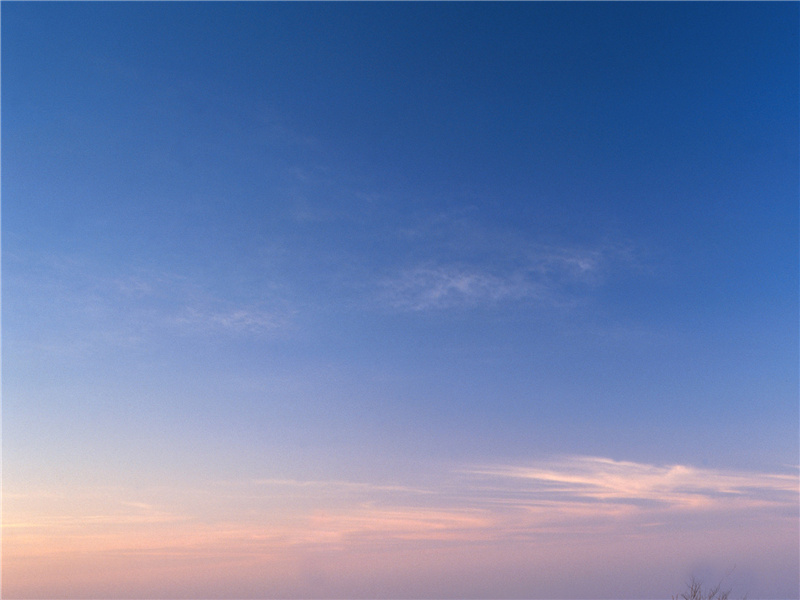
<point>566,501</point>
<point>75,305</point>
<point>547,275</point>
<point>454,259</point>
<point>586,479</point>
<point>569,495</point>
<point>449,286</point>
<point>234,320</point>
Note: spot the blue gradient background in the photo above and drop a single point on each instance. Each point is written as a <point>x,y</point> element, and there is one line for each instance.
<point>280,277</point>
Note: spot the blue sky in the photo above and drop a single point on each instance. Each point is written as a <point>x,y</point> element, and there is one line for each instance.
<point>386,249</point>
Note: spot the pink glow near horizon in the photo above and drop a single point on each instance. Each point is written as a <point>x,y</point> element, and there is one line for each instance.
<point>547,529</point>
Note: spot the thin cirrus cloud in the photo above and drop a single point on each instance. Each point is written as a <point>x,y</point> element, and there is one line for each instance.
<point>488,502</point>
<point>478,264</point>
<point>234,320</point>
<point>439,287</point>
<point>179,302</point>
<point>136,307</point>
<point>534,514</point>
<point>573,497</point>
<point>588,481</point>
<point>602,481</point>
<point>546,275</point>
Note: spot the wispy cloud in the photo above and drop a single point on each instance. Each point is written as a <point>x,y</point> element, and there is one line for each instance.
<point>586,479</point>
<point>349,486</point>
<point>65,295</point>
<point>541,513</point>
<point>457,259</point>
<point>423,288</point>
<point>549,275</point>
<point>573,495</point>
<point>541,493</point>
<point>232,320</point>
<point>177,301</point>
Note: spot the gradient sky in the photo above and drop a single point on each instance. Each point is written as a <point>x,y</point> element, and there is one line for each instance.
<point>407,300</point>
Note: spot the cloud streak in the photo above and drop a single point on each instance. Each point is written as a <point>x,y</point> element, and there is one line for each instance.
<point>595,480</point>
<point>492,502</point>
<point>425,288</point>
<point>232,320</point>
<point>536,514</point>
<point>90,309</point>
<point>547,275</point>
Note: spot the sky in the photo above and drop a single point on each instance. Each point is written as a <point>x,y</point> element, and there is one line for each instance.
<point>399,300</point>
